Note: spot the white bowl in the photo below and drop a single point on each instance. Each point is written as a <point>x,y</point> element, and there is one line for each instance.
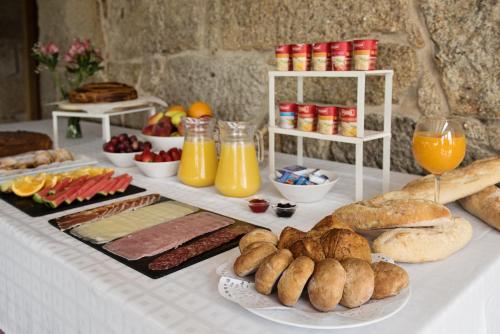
<point>158,170</point>
<point>306,193</point>
<point>123,160</point>
<point>164,143</point>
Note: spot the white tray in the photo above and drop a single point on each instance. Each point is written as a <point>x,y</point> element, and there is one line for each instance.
<point>242,292</point>
<point>109,107</point>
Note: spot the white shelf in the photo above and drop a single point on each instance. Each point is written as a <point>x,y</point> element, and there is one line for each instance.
<point>369,135</point>
<point>330,74</point>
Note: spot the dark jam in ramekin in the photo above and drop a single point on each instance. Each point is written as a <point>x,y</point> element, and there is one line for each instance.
<point>285,210</point>
<point>258,205</point>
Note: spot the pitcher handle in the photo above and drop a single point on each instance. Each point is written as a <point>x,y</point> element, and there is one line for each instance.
<point>259,140</point>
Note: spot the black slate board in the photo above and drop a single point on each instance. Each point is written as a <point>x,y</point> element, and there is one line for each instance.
<point>141,265</point>
<point>34,209</point>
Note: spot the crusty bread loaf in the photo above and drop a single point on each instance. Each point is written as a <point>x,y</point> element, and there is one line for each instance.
<point>271,269</point>
<point>359,284</point>
<point>455,184</point>
<point>308,247</point>
<point>341,244</point>
<point>326,285</point>
<point>390,279</point>
<point>288,236</point>
<point>366,215</point>
<point>248,262</point>
<point>417,245</point>
<point>485,205</point>
<point>258,234</point>
<point>102,92</point>
<point>294,279</point>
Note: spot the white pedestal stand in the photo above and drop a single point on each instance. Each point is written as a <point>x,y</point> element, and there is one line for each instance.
<point>362,134</point>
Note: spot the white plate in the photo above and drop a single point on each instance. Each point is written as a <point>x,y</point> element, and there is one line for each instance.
<point>79,161</point>
<point>242,292</point>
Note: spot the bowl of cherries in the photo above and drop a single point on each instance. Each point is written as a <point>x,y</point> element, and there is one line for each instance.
<point>121,149</point>
<point>158,165</point>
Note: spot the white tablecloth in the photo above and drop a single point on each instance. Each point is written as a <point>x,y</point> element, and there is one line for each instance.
<point>52,283</point>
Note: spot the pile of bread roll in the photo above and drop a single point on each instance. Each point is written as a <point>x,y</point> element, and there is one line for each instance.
<point>334,265</point>
<point>410,227</point>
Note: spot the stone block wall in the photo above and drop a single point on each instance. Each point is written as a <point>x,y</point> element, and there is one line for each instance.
<point>444,54</point>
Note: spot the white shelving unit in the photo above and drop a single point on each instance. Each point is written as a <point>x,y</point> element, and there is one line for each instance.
<point>362,134</point>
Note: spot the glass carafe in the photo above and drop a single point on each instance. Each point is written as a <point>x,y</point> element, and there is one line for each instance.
<point>238,170</point>
<point>199,155</point>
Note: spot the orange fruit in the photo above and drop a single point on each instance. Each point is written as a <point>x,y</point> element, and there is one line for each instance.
<point>29,185</point>
<point>199,109</point>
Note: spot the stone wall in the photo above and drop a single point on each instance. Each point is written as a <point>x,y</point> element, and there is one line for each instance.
<point>444,54</point>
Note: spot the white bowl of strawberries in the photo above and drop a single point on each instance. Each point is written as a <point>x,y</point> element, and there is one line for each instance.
<point>158,165</point>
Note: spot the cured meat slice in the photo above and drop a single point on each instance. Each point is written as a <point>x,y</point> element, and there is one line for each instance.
<point>79,218</point>
<point>166,236</point>
<point>177,256</point>
<point>124,223</point>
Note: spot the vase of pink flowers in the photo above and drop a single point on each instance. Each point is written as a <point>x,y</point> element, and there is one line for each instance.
<point>80,62</point>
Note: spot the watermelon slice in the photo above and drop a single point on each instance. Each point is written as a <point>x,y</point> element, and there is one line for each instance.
<point>122,182</point>
<point>80,195</point>
<point>123,185</point>
<point>107,186</point>
<point>91,191</point>
<point>38,197</point>
<point>56,199</point>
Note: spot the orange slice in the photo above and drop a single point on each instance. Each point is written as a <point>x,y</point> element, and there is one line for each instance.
<point>29,185</point>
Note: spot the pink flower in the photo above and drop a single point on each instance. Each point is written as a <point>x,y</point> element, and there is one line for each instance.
<point>49,49</point>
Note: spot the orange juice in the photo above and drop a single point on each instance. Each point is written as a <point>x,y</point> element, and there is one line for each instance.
<point>438,154</point>
<point>238,172</point>
<point>198,163</point>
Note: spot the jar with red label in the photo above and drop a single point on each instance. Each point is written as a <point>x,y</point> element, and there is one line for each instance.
<point>365,54</point>
<point>328,120</point>
<point>341,54</point>
<point>321,57</point>
<point>288,115</point>
<point>301,57</point>
<point>284,57</point>
<point>348,121</point>
<point>307,119</point>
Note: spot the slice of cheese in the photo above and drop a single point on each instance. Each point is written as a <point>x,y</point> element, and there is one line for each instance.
<point>117,226</point>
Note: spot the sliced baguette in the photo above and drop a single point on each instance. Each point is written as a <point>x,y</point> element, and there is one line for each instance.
<point>415,245</point>
<point>485,205</point>
<point>367,215</point>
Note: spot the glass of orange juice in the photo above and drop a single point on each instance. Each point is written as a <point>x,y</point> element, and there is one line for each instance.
<point>198,164</point>
<point>438,146</point>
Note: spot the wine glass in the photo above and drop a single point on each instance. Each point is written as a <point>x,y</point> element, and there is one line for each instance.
<point>438,146</point>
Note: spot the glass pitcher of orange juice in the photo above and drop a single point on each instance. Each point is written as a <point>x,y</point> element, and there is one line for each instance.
<point>199,155</point>
<point>238,170</point>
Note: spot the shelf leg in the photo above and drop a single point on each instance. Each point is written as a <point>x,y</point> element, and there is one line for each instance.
<point>106,129</point>
<point>55,130</point>
<point>272,165</point>
<point>360,105</point>
<point>386,164</point>
<point>300,151</point>
<point>359,171</point>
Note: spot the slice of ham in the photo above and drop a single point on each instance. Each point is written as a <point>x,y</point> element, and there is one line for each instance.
<point>166,236</point>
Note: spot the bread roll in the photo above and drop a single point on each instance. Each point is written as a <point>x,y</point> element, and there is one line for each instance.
<point>341,244</point>
<point>417,245</point>
<point>247,263</point>
<point>271,269</point>
<point>258,234</point>
<point>255,245</point>
<point>329,223</point>
<point>359,284</point>
<point>288,236</point>
<point>454,185</point>
<point>326,285</point>
<point>363,216</point>
<point>485,205</point>
<point>308,247</point>
<point>390,279</point>
<point>294,279</point>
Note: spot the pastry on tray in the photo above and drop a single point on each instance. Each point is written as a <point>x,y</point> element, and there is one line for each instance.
<point>17,142</point>
<point>102,92</point>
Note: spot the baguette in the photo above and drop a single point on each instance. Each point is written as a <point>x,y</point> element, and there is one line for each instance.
<point>455,184</point>
<point>367,215</point>
<point>484,205</point>
<point>416,245</point>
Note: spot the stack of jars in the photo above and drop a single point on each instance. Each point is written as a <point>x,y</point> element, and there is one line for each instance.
<point>329,56</point>
<point>325,119</point>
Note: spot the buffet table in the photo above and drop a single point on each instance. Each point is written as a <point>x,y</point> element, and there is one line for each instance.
<point>51,283</point>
